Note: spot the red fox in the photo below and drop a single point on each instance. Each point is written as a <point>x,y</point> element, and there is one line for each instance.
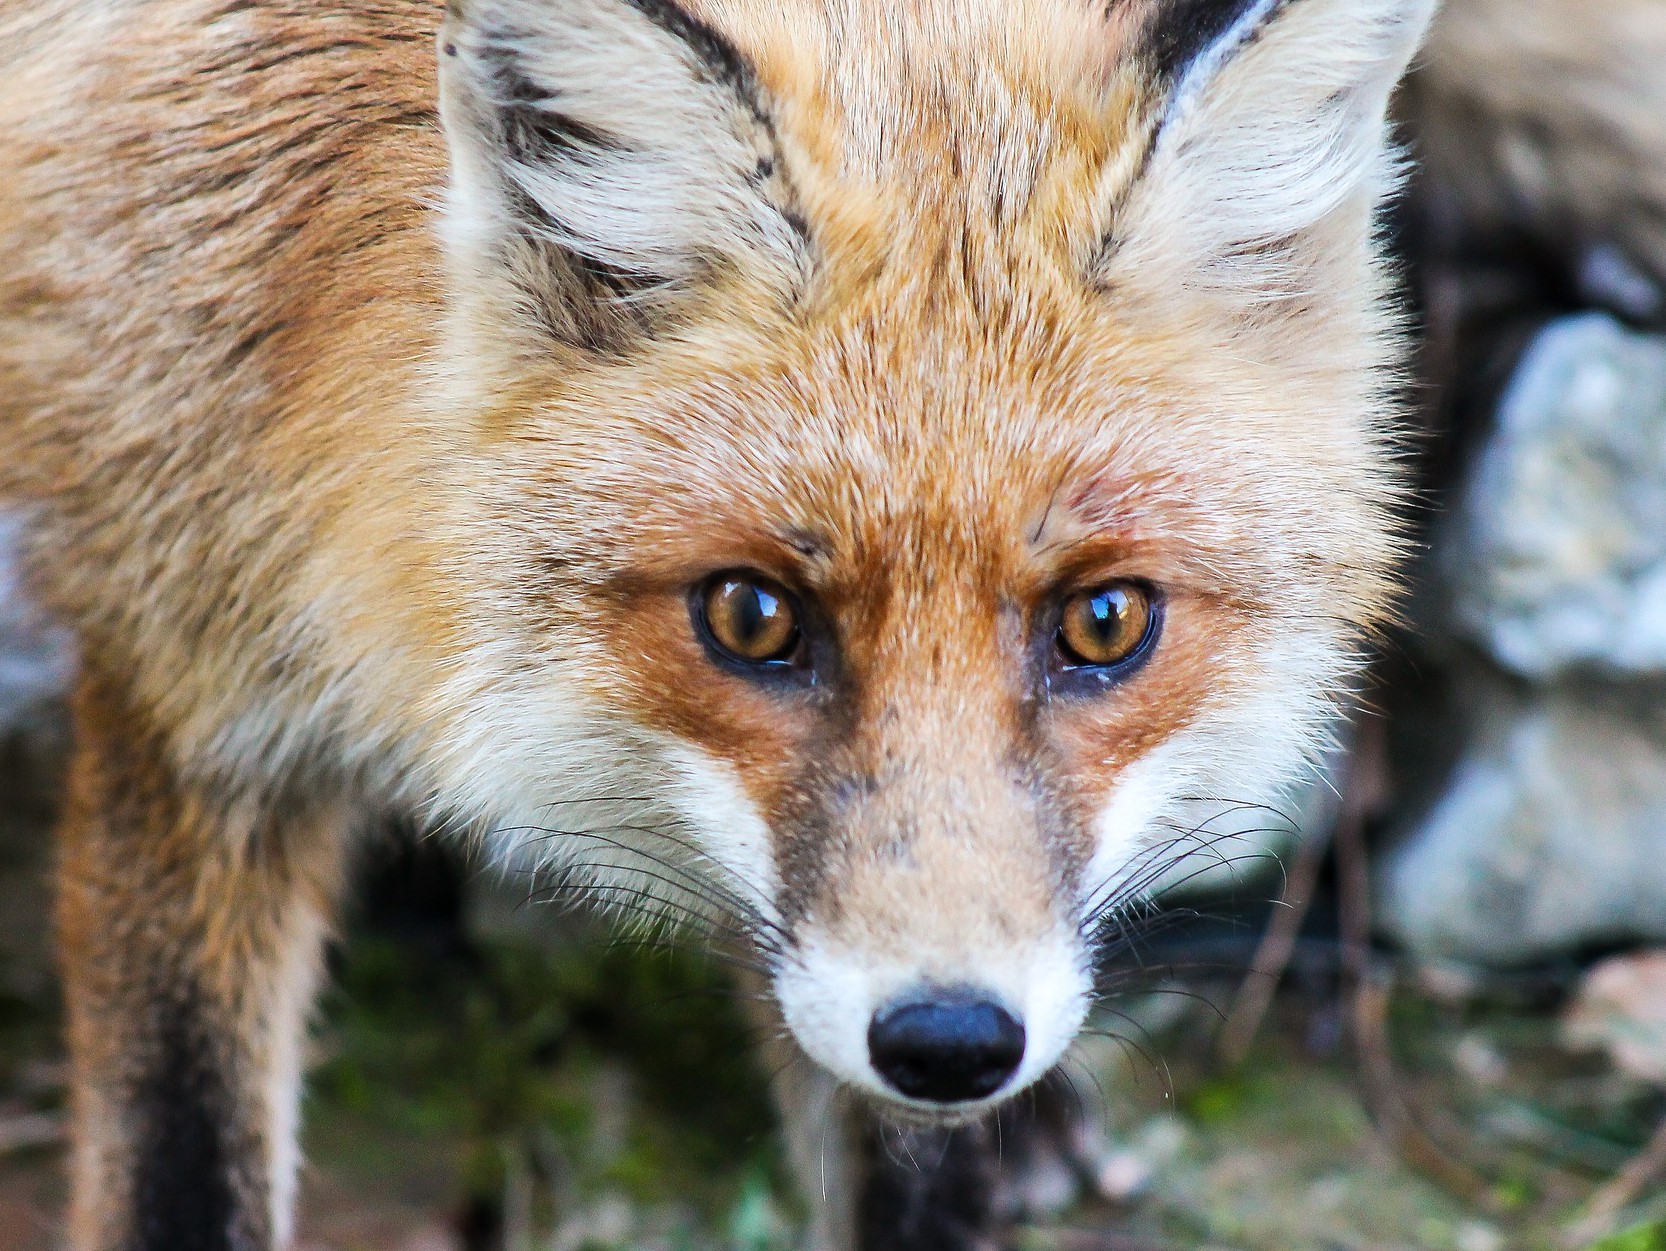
<point>884,477</point>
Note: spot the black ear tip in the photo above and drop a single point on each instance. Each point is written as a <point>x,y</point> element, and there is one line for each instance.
<point>1180,31</point>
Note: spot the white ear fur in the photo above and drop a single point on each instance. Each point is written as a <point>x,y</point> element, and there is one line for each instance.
<point>620,133</point>
<point>1274,128</point>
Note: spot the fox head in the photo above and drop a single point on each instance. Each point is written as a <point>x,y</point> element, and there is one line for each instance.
<point>935,460</point>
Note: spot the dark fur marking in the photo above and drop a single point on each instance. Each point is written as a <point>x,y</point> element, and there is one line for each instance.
<point>602,280</point>
<point>286,55</point>
<point>577,298</point>
<point>929,1190</point>
<point>248,343</point>
<point>534,131</point>
<point>537,135</point>
<point>720,58</point>
<point>182,1193</point>
<point>796,223</point>
<point>1179,33</point>
<point>1182,30</point>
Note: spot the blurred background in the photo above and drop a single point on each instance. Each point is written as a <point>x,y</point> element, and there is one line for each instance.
<point>1427,1011</point>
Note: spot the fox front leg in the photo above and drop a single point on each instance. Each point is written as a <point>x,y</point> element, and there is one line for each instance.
<point>190,930</point>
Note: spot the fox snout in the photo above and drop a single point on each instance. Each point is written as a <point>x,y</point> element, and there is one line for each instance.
<point>929,1046</point>
<point>936,967</point>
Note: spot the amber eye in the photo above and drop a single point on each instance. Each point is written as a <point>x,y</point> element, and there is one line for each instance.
<point>749,618</point>
<point>1107,626</point>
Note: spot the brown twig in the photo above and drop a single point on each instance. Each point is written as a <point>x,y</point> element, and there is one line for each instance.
<point>1364,787</point>
<point>1382,1089</point>
<point>1597,1218</point>
<point>1272,956</point>
<point>30,1132</point>
<point>1391,1111</point>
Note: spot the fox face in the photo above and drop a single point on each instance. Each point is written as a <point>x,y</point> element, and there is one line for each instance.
<point>938,464</point>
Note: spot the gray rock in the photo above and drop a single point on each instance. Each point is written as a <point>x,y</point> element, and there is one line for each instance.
<point>35,666</point>
<point>1555,557</point>
<point>1550,835</point>
<point>36,658</point>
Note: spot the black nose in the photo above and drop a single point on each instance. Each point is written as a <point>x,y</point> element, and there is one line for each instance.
<point>948,1048</point>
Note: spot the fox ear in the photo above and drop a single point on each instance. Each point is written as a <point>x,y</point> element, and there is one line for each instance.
<point>607,158</point>
<point>1271,146</point>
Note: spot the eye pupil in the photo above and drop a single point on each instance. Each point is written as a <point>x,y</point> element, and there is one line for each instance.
<point>1106,626</point>
<point>1109,610</point>
<point>749,620</point>
<point>755,608</point>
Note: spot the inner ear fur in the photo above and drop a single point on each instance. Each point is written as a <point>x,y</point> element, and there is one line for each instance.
<point>609,160</point>
<point>1270,148</point>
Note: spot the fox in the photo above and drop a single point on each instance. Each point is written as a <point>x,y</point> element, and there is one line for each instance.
<point>882,482</point>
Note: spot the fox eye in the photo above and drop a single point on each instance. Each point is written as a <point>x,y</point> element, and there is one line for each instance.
<point>748,618</point>
<point>1106,627</point>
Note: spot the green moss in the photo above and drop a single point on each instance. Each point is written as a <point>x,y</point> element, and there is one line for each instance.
<point>1650,1237</point>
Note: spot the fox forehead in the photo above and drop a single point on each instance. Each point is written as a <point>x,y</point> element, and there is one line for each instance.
<point>888,92</point>
<point>936,143</point>
<point>1004,455</point>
